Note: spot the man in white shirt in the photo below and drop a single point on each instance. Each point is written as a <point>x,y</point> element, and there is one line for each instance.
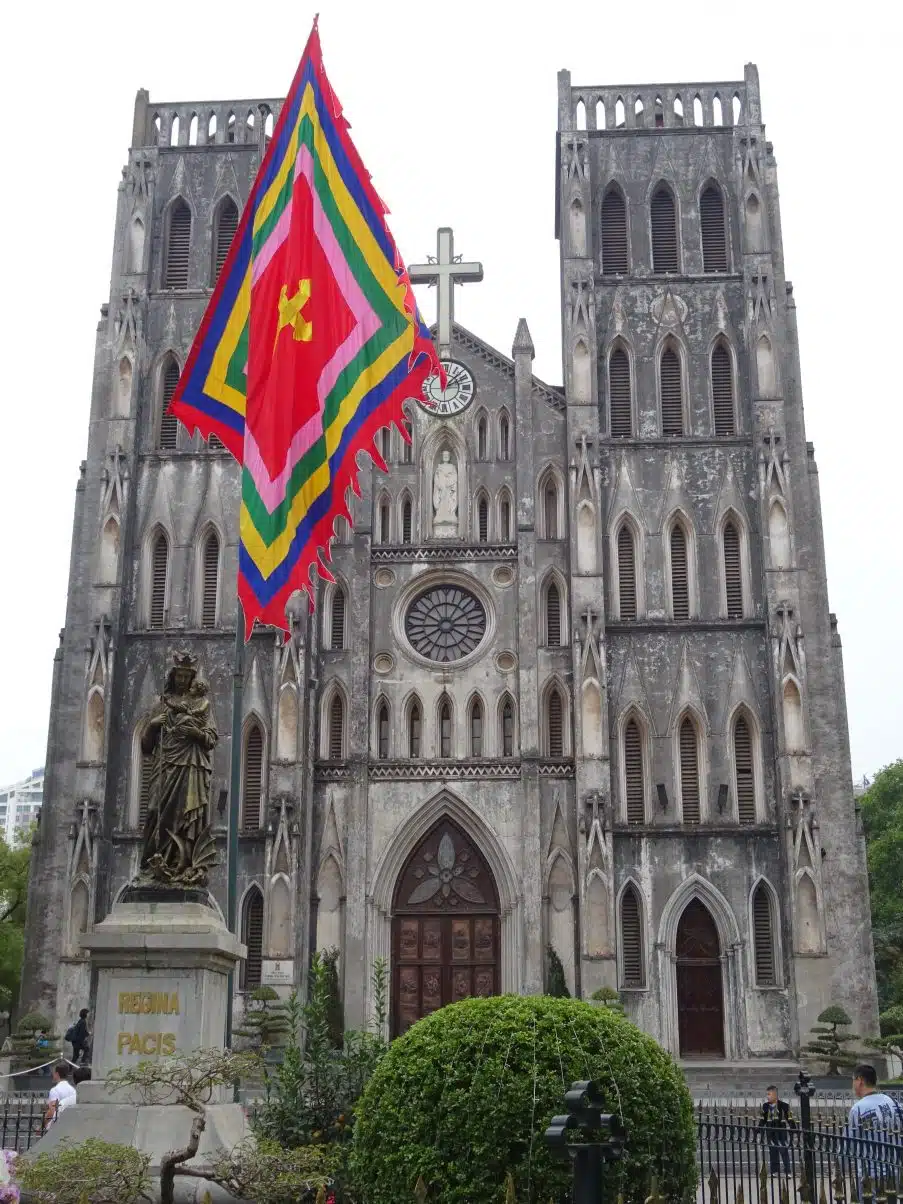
<point>62,1094</point>
<point>875,1129</point>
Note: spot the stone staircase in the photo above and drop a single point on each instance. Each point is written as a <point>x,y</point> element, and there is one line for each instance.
<point>721,1081</point>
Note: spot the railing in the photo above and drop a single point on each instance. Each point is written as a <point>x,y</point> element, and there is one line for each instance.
<point>204,123</point>
<point>22,1121</point>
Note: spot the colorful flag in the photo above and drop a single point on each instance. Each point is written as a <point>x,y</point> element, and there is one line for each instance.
<point>311,342</point>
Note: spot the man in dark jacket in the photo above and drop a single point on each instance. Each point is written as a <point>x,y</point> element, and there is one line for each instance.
<point>77,1035</point>
<point>777,1120</point>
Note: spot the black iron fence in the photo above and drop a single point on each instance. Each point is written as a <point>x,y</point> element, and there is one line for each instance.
<point>22,1121</point>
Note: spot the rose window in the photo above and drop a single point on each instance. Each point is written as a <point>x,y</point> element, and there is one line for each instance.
<point>445,623</point>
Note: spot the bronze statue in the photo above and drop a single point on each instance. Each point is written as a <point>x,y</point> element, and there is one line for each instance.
<point>179,737</point>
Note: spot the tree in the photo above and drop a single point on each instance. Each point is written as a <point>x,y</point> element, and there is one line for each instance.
<point>13,892</point>
<point>334,1013</point>
<point>882,814</point>
<point>558,987</point>
<point>609,998</point>
<point>265,1023</point>
<point>891,1039</point>
<point>828,1043</point>
<point>91,1172</point>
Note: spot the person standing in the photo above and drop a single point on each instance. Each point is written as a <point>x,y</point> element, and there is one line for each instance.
<point>777,1120</point>
<point>874,1128</point>
<point>62,1094</point>
<point>77,1036</point>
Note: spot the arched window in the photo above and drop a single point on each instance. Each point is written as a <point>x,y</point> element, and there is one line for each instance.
<point>555,724</point>
<point>505,519</point>
<point>553,616</point>
<point>414,730</point>
<point>744,777</point>
<point>627,608</point>
<point>711,219</point>
<point>733,576</point>
<point>337,619</point>
<point>723,391</point>
<point>614,233</point>
<point>382,732</point>
<point>672,394</point>
<point>504,438</point>
<point>336,743</point>
<point>689,771</point>
<point>384,441</point>
<point>159,570</point>
<point>665,257</point>
<point>407,445</point>
<point>619,403</point>
<point>252,780</point>
<point>382,521</point>
<point>476,728</point>
<point>178,245</point>
<point>252,936</point>
<point>210,584</point>
<point>483,519</point>
<point>169,424</point>
<point>763,937</point>
<point>680,582</point>
<point>550,508</point>
<point>145,775</point>
<point>633,968</point>
<point>507,741</point>
<point>224,227</point>
<point>445,729</point>
<point>136,245</point>
<point>794,731</point>
<point>482,438</point>
<point>406,517</point>
<point>634,776</point>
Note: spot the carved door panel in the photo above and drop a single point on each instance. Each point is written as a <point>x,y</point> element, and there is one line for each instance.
<point>700,990</point>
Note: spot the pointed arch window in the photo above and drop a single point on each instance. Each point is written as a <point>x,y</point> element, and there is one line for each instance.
<point>627,592</point>
<point>633,969</point>
<point>145,775</point>
<point>553,615</point>
<point>336,734</point>
<point>672,394</point>
<point>744,777</point>
<point>723,392</point>
<point>665,256</point>
<point>159,570</point>
<point>620,408</point>
<point>252,780</point>
<point>504,438</point>
<point>169,424</point>
<point>224,231</point>
<point>337,619</point>
<point>507,740</point>
<point>210,584</point>
<point>733,576</point>
<point>178,245</point>
<point>680,581</point>
<point>414,720</point>
<point>614,233</point>
<point>382,732</point>
<point>476,728</point>
<point>382,521</point>
<point>711,220</point>
<point>406,520</point>
<point>407,445</point>
<point>252,937</point>
<point>763,937</point>
<point>482,438</point>
<point>550,508</point>
<point>689,771</point>
<point>634,776</point>
<point>555,724</point>
<point>483,519</point>
<point>445,729</point>
<point>505,519</point>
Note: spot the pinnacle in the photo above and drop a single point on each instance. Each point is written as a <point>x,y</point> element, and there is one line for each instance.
<point>522,341</point>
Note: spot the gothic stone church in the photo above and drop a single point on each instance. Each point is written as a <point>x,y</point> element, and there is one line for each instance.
<point>576,685</point>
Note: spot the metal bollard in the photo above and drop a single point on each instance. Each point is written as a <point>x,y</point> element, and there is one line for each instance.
<point>586,1119</point>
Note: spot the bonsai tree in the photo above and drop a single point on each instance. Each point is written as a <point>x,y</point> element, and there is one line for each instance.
<point>608,997</point>
<point>828,1043</point>
<point>34,1040</point>
<point>558,987</point>
<point>265,1023</point>
<point>891,1039</point>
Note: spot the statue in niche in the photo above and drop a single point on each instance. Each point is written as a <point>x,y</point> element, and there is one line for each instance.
<point>445,497</point>
<point>179,737</point>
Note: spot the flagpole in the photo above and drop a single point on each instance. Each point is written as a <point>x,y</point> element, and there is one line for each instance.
<point>238,677</point>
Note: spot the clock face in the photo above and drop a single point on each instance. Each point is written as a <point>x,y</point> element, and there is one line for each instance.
<point>457,395</point>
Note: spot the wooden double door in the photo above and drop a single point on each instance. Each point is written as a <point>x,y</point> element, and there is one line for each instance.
<point>445,928</point>
<point>700,990</point>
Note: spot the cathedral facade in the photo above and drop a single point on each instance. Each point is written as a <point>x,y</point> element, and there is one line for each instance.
<point>575,687</point>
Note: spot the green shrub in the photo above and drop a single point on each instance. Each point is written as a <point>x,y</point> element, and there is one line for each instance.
<point>558,987</point>
<point>828,1044</point>
<point>265,1022</point>
<point>609,998</point>
<point>89,1172</point>
<point>464,1097</point>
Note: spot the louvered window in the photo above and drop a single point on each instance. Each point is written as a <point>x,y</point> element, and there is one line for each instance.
<point>626,574</point>
<point>550,509</point>
<point>216,444</point>
<point>476,730</point>
<point>680,585</point>
<point>382,733</point>
<point>714,242</point>
<point>252,780</point>
<point>169,424</point>
<point>723,392</point>
<point>406,521</point>
<point>445,732</point>
<point>159,564</point>
<point>664,232</point>
<point>252,936</point>
<point>633,773</point>
<point>508,728</point>
<point>689,772</point>
<point>733,579</point>
<point>481,439</point>
<point>745,784</point>
<point>336,728</point>
<point>763,939</point>
<point>504,438</point>
<point>384,522</point>
<point>672,394</point>
<point>482,520</point>
<point>505,520</point>
<point>556,725</point>
<point>620,409</point>
<point>553,616</point>
<point>614,234</point>
<point>178,245</point>
<point>337,619</point>
<point>407,445</point>
<point>211,580</point>
<point>145,769</point>
<point>632,968</point>
<point>414,731</point>
<point>226,225</point>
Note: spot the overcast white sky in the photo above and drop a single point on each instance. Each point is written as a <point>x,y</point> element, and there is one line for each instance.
<point>453,107</point>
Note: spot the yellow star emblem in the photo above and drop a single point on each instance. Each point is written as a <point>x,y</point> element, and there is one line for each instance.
<point>290,312</point>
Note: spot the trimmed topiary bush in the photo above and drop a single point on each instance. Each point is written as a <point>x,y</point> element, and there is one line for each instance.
<point>464,1097</point>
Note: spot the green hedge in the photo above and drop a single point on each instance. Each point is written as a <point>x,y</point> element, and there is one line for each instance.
<point>465,1096</point>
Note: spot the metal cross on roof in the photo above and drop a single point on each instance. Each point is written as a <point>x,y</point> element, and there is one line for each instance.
<point>445,271</point>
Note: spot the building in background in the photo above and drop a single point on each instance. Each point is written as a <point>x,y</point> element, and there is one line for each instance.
<point>20,807</point>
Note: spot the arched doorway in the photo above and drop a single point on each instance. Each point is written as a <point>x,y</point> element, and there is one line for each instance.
<point>700,993</point>
<point>445,927</point>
